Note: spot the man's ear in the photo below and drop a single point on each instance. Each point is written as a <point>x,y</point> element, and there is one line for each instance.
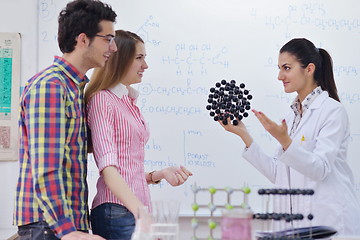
<point>82,40</point>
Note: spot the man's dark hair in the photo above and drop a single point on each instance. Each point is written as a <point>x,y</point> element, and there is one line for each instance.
<point>81,16</point>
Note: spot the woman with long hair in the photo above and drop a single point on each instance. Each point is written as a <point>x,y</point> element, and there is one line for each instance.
<point>119,134</point>
<point>313,141</point>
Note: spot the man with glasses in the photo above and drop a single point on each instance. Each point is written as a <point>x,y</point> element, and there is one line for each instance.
<point>109,38</point>
<point>52,193</point>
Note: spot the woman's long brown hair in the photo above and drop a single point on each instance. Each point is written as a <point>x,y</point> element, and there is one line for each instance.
<point>117,65</point>
<point>115,68</point>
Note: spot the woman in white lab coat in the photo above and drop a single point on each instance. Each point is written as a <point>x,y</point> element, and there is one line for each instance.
<point>313,140</point>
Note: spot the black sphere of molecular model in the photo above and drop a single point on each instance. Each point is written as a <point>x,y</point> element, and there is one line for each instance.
<point>229,101</point>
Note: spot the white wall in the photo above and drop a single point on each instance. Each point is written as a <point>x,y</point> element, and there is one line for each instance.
<point>16,16</point>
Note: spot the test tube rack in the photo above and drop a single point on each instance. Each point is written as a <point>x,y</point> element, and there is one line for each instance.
<point>212,207</point>
<point>280,225</point>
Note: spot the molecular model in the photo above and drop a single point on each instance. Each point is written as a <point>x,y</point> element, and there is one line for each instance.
<point>212,207</point>
<point>288,225</point>
<point>229,101</point>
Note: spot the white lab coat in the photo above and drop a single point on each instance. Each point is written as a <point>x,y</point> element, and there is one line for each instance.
<point>316,159</point>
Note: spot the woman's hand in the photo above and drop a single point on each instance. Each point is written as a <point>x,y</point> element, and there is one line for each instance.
<point>279,132</point>
<point>176,176</point>
<point>78,235</point>
<point>239,130</point>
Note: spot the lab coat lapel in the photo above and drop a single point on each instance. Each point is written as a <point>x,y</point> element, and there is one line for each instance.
<point>315,105</point>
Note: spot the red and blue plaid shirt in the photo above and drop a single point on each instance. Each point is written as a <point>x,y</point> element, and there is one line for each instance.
<point>52,183</point>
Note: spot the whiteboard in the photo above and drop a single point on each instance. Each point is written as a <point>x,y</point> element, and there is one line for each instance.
<point>193,44</point>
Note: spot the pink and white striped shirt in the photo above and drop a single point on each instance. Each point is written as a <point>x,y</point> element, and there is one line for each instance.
<point>119,134</point>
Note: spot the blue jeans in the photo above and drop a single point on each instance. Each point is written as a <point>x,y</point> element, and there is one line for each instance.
<point>112,221</point>
<point>36,231</point>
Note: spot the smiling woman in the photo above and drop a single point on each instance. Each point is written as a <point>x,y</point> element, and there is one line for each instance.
<point>313,140</point>
<point>119,134</point>
<point>291,70</point>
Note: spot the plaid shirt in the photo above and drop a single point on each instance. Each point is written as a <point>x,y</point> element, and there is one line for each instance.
<point>53,154</point>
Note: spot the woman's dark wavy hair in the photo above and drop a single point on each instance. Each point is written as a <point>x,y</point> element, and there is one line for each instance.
<point>306,52</point>
<point>81,16</point>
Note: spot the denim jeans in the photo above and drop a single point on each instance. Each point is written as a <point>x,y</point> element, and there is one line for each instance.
<point>112,221</point>
<point>36,231</point>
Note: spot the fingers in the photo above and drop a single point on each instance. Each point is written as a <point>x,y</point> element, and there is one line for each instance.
<point>222,124</point>
<point>284,126</point>
<point>97,237</point>
<point>264,120</point>
<point>180,178</point>
<point>77,235</point>
<point>229,127</point>
<point>181,174</point>
<point>255,112</point>
<point>187,172</point>
<point>261,116</point>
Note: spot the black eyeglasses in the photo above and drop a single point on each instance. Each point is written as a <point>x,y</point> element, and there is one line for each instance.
<point>109,38</point>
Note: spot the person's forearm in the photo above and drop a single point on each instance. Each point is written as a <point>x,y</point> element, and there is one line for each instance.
<point>285,141</point>
<point>247,139</point>
<point>154,176</point>
<point>120,189</point>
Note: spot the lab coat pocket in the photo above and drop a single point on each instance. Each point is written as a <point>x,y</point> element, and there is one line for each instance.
<point>309,145</point>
